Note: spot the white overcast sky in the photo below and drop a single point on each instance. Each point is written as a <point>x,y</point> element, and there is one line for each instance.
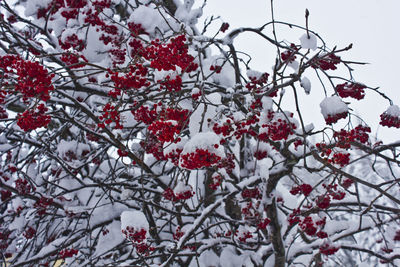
<point>371,25</point>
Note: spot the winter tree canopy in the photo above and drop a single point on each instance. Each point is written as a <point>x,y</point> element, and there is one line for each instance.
<point>132,134</point>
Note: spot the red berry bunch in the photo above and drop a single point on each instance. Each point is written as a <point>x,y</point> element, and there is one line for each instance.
<point>134,79</point>
<point>31,79</point>
<point>344,138</point>
<point>29,233</point>
<point>256,84</point>
<point>333,118</point>
<point>328,249</point>
<point>178,233</point>
<point>138,239</point>
<point>31,120</point>
<point>111,116</point>
<point>260,154</point>
<point>216,68</point>
<point>216,181</point>
<point>326,62</point>
<point>171,55</point>
<point>199,159</point>
<point>304,189</point>
<point>22,186</point>
<point>290,55</point>
<point>72,41</point>
<point>341,159</point>
<point>263,224</point>
<point>224,27</point>
<point>251,193</point>
<point>5,195</point>
<point>67,253</point>
<point>169,194</point>
<point>244,236</point>
<point>153,146</point>
<point>42,204</point>
<point>354,90</point>
<point>277,129</point>
<point>391,117</point>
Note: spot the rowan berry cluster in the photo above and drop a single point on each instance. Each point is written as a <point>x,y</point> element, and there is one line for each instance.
<point>304,189</point>
<point>171,55</point>
<point>169,194</point>
<point>5,195</point>
<point>354,90</point>
<point>216,181</point>
<point>290,55</point>
<point>198,159</point>
<point>311,228</point>
<point>29,233</point>
<point>42,204</point>
<point>328,249</point>
<point>23,187</point>
<point>67,253</point>
<point>251,193</point>
<point>138,239</point>
<point>326,62</point>
<point>391,117</point>
<point>224,27</point>
<point>359,134</point>
<point>333,118</point>
<point>31,79</point>
<point>278,128</point>
<point>33,119</point>
<point>111,116</point>
<point>258,84</point>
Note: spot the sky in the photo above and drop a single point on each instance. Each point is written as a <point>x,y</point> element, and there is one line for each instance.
<point>372,26</point>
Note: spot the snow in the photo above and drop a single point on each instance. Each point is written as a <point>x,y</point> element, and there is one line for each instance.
<point>333,105</point>
<point>306,84</point>
<point>206,141</point>
<point>308,41</point>
<point>135,219</point>
<point>393,111</point>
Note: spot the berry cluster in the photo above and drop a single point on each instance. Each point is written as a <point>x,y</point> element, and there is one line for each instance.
<point>354,90</point>
<point>29,233</point>
<point>311,228</point>
<point>326,62</point>
<point>42,204</point>
<point>23,187</point>
<point>138,239</point>
<point>134,79</point>
<point>110,116</point>
<point>278,128</point>
<point>216,68</point>
<point>359,134</point>
<point>260,154</point>
<point>31,120</point>
<point>224,27</point>
<point>169,194</point>
<point>304,189</point>
<point>257,84</point>
<point>32,79</point>
<point>199,159</point>
<point>5,195</point>
<point>328,249</point>
<point>391,117</point>
<point>333,118</point>
<point>290,55</point>
<point>178,233</point>
<point>169,56</point>
<point>251,193</point>
<point>216,181</point>
<point>67,253</point>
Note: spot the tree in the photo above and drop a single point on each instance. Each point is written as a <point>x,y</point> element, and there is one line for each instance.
<point>131,137</point>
